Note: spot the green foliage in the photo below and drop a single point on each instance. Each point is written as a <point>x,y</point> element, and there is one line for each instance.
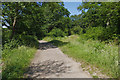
<point>44,16</point>
<point>110,33</point>
<point>31,21</point>
<point>19,40</point>
<point>11,44</point>
<point>99,13</point>
<point>77,30</point>
<point>107,34</point>
<point>94,32</point>
<point>16,61</point>
<point>5,35</point>
<point>16,55</point>
<point>28,40</point>
<point>22,16</point>
<point>104,14</point>
<point>56,33</point>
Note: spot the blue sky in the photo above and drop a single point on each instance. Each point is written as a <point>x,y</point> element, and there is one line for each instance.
<point>72,7</point>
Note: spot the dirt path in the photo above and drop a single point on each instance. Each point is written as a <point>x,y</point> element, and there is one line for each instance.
<point>50,62</point>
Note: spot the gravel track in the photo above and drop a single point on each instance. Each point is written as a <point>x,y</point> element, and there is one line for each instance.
<point>50,62</point>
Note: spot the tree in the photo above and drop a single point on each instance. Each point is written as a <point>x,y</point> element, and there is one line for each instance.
<point>53,15</point>
<point>34,18</point>
<point>15,13</point>
<point>105,14</point>
<point>100,13</point>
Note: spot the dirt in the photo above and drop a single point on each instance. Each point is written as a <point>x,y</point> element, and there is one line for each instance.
<point>51,62</point>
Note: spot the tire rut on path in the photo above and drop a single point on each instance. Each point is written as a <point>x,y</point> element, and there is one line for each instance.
<point>50,62</point>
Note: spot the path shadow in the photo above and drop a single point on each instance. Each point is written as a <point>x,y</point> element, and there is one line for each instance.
<point>46,68</point>
<point>51,44</point>
<point>58,43</point>
<point>46,45</point>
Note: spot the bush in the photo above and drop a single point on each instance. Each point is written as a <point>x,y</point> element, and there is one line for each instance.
<point>5,35</point>
<point>28,40</point>
<point>94,32</point>
<point>107,34</point>
<point>19,40</point>
<point>11,44</point>
<point>77,30</point>
<point>56,33</point>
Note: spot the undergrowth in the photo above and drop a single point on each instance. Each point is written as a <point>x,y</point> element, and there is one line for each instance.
<point>17,55</point>
<point>16,61</point>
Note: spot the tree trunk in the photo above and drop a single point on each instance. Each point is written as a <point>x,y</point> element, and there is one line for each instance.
<point>13,29</point>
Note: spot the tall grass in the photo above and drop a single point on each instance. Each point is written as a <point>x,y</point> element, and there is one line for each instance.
<point>16,61</point>
<point>17,55</point>
<point>101,55</point>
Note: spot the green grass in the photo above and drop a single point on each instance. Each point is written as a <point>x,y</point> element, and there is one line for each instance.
<point>101,55</point>
<point>16,61</point>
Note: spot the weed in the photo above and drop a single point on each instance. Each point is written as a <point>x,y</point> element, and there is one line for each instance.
<point>16,61</point>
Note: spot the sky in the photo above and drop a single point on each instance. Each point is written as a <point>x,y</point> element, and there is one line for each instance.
<point>72,7</point>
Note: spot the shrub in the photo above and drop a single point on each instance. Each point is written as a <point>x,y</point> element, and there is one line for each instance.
<point>94,32</point>
<point>5,35</point>
<point>19,40</point>
<point>77,30</point>
<point>109,33</point>
<point>56,33</point>
<point>28,40</point>
<point>11,44</point>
